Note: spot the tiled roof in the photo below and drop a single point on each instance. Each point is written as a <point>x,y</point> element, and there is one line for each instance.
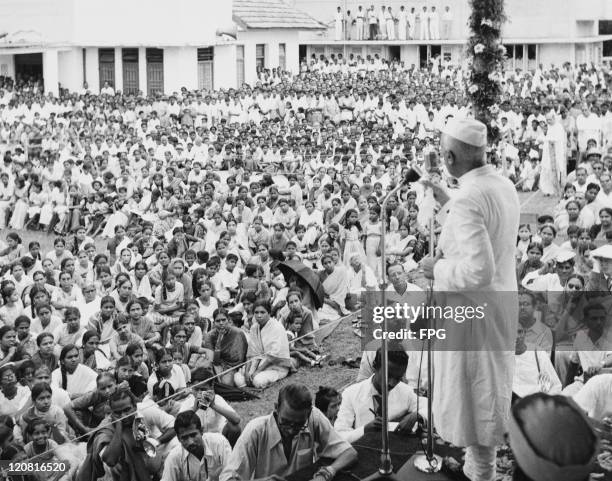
<point>272,14</point>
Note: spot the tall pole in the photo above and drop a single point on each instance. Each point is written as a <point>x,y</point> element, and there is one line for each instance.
<point>429,462</point>
<point>386,467</point>
<point>385,470</point>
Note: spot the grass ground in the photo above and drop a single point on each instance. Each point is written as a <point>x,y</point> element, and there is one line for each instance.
<point>341,343</point>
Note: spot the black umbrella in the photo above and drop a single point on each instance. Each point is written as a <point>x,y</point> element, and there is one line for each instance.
<point>306,274</point>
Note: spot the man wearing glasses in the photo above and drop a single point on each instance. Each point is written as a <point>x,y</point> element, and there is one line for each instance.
<point>277,445</point>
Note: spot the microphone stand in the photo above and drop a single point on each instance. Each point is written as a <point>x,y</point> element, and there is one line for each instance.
<point>429,462</point>
<point>385,470</point>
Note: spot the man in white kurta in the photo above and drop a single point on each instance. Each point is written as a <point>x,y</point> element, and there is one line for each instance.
<point>338,24</point>
<point>424,24</point>
<point>554,158</point>
<point>402,23</point>
<point>475,260</point>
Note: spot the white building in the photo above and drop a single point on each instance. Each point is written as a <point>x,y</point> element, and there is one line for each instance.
<point>148,45</point>
<point>537,32</point>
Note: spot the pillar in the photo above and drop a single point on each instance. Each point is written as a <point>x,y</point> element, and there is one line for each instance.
<point>142,69</point>
<point>51,71</point>
<point>118,70</point>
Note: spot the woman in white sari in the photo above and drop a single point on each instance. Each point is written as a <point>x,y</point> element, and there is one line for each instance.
<point>335,284</point>
<point>312,219</point>
<point>74,377</point>
<point>400,248</point>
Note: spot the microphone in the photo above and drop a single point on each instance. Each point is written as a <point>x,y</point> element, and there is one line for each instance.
<point>414,174</point>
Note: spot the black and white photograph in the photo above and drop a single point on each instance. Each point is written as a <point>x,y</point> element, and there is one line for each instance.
<point>305,240</point>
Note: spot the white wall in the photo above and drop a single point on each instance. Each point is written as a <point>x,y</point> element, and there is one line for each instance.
<point>92,69</point>
<point>250,69</point>
<point>118,22</point>
<point>224,67</point>
<point>51,71</point>
<point>53,19</point>
<point>70,67</point>
<point>7,66</point>
<point>180,68</point>
<point>409,54</point>
<point>556,54</point>
<point>271,39</point>
<point>149,22</point>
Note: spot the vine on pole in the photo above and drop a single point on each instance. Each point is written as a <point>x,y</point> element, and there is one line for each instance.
<point>486,56</point>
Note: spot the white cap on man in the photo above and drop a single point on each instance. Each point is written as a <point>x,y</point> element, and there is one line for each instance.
<point>603,252</point>
<point>469,131</point>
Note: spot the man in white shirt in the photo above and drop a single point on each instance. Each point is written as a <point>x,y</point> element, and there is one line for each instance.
<point>360,409</point>
<point>360,277</point>
<point>533,370</point>
<point>434,24</point>
<point>424,24</point>
<point>201,455</point>
<point>447,23</point>
<point>589,126</point>
<point>604,198</point>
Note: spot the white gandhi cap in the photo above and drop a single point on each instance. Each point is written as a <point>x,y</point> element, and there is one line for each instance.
<point>468,131</point>
<point>603,252</point>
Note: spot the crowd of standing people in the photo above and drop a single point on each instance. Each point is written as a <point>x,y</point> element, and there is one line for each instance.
<point>387,24</point>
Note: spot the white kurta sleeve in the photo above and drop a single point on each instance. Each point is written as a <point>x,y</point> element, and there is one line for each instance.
<point>474,266</point>
<point>345,421</point>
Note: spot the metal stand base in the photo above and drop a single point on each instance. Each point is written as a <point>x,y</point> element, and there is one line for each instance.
<point>425,465</point>
<point>409,471</point>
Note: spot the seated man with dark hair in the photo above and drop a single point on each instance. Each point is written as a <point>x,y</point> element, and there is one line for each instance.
<point>114,450</point>
<point>274,445</point>
<point>201,455</point>
<point>360,409</point>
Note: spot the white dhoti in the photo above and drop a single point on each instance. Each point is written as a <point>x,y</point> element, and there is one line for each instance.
<point>434,29</point>
<point>401,30</point>
<point>480,463</point>
<point>338,30</point>
<point>424,35</point>
<point>390,29</point>
<point>359,26</point>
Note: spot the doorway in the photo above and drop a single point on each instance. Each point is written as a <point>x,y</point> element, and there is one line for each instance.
<point>303,53</point>
<point>394,52</point>
<point>28,66</point>
<point>423,57</point>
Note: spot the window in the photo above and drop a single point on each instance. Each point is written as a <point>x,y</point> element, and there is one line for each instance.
<point>106,64</point>
<point>532,50</point>
<point>282,56</point>
<point>532,56</point>
<point>518,52</point>
<point>130,70</point>
<point>260,56</point>
<point>239,65</point>
<point>205,68</point>
<point>605,28</point>
<point>155,70</point>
